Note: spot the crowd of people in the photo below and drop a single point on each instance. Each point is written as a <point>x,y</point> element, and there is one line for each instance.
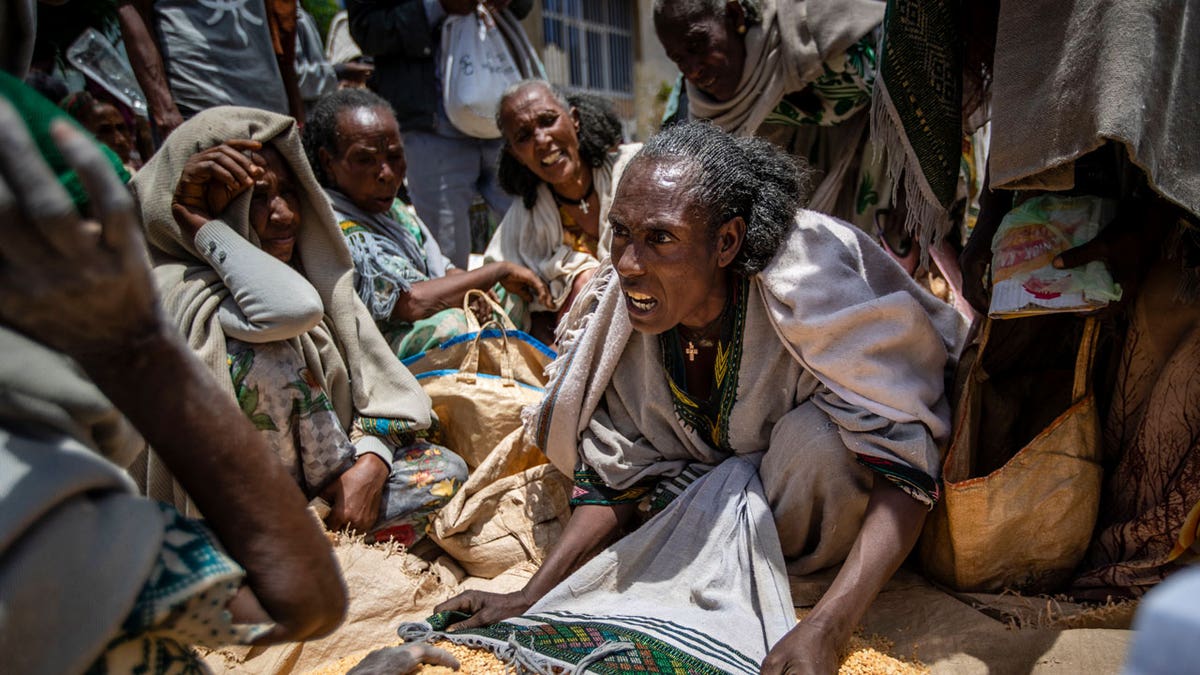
<point>210,307</point>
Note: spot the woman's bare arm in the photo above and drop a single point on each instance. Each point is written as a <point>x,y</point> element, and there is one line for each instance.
<point>591,528</point>
<point>84,288</point>
<point>889,531</point>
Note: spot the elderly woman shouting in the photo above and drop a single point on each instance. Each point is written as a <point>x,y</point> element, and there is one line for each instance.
<point>255,272</point>
<point>733,327</point>
<point>562,158</point>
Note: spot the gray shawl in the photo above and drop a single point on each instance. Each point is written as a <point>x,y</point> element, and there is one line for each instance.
<point>1069,76</point>
<point>384,239</point>
<point>345,352</point>
<point>785,52</point>
<point>844,310</point>
<point>64,502</point>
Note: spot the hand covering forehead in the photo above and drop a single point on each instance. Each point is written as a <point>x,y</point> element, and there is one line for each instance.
<point>155,184</point>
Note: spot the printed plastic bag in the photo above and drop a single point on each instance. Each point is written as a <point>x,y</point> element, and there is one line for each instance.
<point>482,55</point>
<point>1023,280</point>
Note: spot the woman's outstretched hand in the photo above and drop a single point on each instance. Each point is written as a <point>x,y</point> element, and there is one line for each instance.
<point>806,649</point>
<point>403,659</point>
<point>525,283</point>
<point>213,178</point>
<point>485,608</point>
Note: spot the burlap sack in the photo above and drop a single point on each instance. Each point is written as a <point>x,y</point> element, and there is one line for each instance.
<point>1027,524</point>
<point>386,586</point>
<point>512,509</point>
<point>475,389</point>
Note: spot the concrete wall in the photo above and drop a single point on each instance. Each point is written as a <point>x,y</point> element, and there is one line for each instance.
<point>653,72</point>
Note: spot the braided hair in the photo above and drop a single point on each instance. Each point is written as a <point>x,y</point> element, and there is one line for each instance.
<point>697,8</point>
<point>599,131</point>
<point>320,131</point>
<point>747,177</point>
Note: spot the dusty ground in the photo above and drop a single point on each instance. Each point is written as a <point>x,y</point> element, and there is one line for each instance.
<point>911,628</point>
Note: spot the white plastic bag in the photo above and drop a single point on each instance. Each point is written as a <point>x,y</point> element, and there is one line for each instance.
<point>482,56</point>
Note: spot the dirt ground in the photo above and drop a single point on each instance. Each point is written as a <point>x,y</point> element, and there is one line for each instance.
<point>911,628</point>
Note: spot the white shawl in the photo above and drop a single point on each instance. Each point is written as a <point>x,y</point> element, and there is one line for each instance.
<point>534,237</point>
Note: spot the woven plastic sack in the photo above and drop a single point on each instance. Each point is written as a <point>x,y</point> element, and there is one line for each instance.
<point>499,347</point>
<point>1026,525</point>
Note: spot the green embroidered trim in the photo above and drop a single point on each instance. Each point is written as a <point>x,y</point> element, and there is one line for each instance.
<point>399,432</point>
<point>572,642</point>
<point>841,90</point>
<point>710,418</point>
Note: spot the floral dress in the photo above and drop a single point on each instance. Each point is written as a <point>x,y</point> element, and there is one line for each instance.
<point>283,400</point>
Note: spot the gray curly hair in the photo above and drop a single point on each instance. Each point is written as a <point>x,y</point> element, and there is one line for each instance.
<point>752,8</point>
<point>747,177</point>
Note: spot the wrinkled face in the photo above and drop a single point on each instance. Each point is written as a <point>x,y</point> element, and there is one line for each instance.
<point>709,51</point>
<point>369,166</point>
<point>107,125</point>
<point>275,205</point>
<point>541,134</point>
<point>671,267</point>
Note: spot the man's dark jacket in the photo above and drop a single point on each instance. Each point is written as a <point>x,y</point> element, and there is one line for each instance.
<point>397,33</point>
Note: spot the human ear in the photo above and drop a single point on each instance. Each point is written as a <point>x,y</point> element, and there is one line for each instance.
<point>326,160</point>
<point>730,236</point>
<point>735,15</point>
<point>575,117</point>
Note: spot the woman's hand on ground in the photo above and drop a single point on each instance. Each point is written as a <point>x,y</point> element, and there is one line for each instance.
<point>485,608</point>
<point>354,497</point>
<point>211,179</point>
<point>403,659</point>
<point>79,285</point>
<point>807,648</point>
<point>525,283</point>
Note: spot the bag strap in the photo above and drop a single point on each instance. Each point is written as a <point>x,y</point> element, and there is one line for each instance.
<point>468,371</point>
<point>1084,359</point>
<point>499,316</point>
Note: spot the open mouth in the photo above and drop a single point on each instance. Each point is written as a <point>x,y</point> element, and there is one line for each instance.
<point>706,82</point>
<point>552,158</point>
<point>640,301</point>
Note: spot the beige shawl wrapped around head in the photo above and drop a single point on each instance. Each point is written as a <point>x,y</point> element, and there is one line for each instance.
<point>345,352</point>
<point>784,52</point>
<point>534,237</point>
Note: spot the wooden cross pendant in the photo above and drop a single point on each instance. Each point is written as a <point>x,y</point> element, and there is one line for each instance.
<point>691,351</point>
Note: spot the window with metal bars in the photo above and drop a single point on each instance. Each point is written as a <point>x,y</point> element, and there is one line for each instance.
<point>589,45</point>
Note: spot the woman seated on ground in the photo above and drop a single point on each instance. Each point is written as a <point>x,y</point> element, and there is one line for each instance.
<point>105,122</point>
<point>253,269</point>
<point>732,323</point>
<point>413,291</point>
<point>561,157</point>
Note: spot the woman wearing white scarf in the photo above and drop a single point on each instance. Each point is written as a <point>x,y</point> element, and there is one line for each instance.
<point>267,295</point>
<point>741,58</point>
<point>561,157</point>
